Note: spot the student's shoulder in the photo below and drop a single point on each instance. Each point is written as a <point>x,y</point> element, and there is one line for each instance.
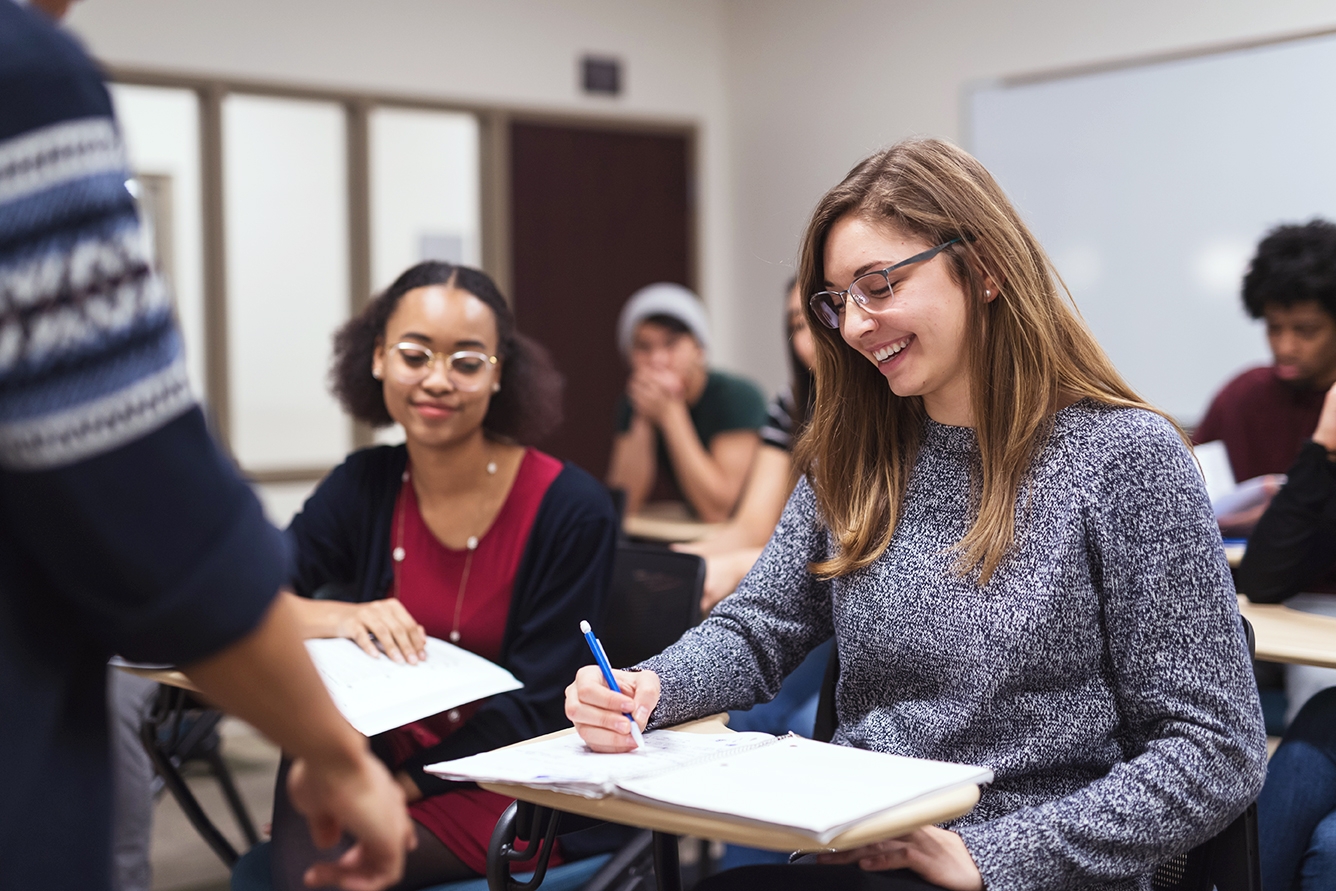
<point>45,76</point>
<point>374,466</point>
<point>1255,383</point>
<point>574,496</point>
<point>1119,436</point>
<point>735,386</point>
<point>736,401</point>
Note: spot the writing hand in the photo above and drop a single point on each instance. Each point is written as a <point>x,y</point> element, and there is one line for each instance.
<point>599,714</point>
<point>939,855</point>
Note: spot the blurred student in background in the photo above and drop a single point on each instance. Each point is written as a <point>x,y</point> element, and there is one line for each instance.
<point>684,432</point>
<point>123,527</point>
<point>464,533</point>
<point>1293,545</point>
<point>731,552</point>
<point>1264,415</point>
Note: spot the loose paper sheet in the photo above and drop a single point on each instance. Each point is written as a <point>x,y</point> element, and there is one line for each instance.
<point>376,695</point>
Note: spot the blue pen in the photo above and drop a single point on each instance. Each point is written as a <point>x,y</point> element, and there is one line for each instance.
<point>602,659</point>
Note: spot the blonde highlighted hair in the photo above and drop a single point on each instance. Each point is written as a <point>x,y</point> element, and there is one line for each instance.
<point>1029,354</point>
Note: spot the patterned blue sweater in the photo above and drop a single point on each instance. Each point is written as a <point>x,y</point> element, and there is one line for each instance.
<point>122,526</point>
<point>1101,673</point>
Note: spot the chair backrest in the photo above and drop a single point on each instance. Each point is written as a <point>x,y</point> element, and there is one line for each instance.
<point>655,598</point>
<point>1228,862</point>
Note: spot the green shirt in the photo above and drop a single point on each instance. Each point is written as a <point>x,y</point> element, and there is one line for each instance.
<point>728,402</point>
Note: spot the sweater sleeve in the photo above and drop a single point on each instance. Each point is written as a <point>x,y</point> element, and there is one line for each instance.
<point>563,578</point>
<point>321,535</point>
<point>741,654</point>
<point>1191,725</point>
<point>1295,539</point>
<point>116,507</point>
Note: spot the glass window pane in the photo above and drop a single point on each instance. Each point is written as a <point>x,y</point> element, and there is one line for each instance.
<point>161,131</point>
<point>424,190</point>
<point>286,206</point>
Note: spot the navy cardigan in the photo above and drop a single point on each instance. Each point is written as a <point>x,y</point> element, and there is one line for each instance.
<point>341,547</point>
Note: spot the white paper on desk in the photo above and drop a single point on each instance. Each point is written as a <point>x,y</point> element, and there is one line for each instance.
<point>376,695</point>
<point>817,788</point>
<point>566,764</point>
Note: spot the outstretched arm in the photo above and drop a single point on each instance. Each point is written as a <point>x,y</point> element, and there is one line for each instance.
<point>267,679</point>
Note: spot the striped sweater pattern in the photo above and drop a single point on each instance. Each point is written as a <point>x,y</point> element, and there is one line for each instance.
<point>89,354</point>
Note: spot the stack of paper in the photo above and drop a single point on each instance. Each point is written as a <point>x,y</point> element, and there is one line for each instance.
<point>814,788</point>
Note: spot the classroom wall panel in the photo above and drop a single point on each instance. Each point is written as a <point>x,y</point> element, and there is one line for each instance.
<point>160,127</point>
<point>285,205</point>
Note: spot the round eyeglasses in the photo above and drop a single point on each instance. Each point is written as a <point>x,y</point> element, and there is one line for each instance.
<point>467,370</point>
<point>871,290</point>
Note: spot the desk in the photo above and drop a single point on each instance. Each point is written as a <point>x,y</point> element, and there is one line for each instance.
<point>667,531</point>
<point>1287,635</point>
<point>172,677</point>
<point>178,728</point>
<point>932,809</point>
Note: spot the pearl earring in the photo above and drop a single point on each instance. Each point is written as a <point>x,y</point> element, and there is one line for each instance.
<point>496,388</point>
<point>987,293</point>
<point>376,375</point>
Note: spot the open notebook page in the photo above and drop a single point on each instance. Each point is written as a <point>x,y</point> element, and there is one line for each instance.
<point>818,788</point>
<point>565,763</point>
<point>376,695</point>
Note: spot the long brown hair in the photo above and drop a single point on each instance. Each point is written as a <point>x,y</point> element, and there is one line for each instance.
<point>1029,353</point>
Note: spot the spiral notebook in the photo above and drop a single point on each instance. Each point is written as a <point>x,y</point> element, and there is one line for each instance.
<point>789,782</point>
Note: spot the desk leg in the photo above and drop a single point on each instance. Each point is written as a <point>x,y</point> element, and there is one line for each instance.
<point>667,871</point>
<point>176,784</point>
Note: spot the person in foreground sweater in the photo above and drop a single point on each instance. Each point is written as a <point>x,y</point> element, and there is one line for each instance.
<point>123,527</point>
<point>463,533</point>
<point>1014,554</point>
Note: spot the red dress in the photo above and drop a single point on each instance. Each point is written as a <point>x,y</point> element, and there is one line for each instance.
<point>428,579</point>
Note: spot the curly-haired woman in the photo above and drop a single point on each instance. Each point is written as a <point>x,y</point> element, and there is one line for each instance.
<point>1015,556</point>
<point>464,532</point>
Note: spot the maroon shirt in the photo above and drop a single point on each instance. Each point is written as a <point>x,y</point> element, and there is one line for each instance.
<point>1262,420</point>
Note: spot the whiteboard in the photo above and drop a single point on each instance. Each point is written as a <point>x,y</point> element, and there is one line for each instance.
<point>1150,187</point>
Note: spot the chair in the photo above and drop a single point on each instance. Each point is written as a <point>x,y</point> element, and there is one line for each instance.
<point>1228,862</point>
<point>179,728</point>
<point>654,599</point>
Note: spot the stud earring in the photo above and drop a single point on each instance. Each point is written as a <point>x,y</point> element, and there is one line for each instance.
<point>496,388</point>
<point>376,375</point>
<point>987,293</point>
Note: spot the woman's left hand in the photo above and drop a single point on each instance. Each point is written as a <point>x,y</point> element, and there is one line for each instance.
<point>940,856</point>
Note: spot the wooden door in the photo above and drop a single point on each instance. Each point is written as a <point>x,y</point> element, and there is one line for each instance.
<point>595,214</point>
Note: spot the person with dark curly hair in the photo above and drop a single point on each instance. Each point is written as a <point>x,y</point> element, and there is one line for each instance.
<point>465,532</point>
<point>1265,415</point>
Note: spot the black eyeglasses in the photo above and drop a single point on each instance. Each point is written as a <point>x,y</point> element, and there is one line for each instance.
<point>871,290</point>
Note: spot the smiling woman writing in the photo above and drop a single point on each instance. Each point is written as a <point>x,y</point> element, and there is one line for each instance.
<point>1014,554</point>
<point>462,533</point>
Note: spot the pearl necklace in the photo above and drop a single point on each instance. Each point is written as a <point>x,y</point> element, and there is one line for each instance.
<point>472,545</point>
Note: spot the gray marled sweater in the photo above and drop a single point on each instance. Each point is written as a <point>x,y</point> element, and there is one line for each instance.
<point>1101,673</point>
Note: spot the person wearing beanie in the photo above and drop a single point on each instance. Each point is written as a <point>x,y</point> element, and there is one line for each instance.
<point>684,432</point>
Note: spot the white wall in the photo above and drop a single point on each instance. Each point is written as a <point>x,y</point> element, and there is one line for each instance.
<point>513,52</point>
<point>788,93</point>
<point>814,87</point>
